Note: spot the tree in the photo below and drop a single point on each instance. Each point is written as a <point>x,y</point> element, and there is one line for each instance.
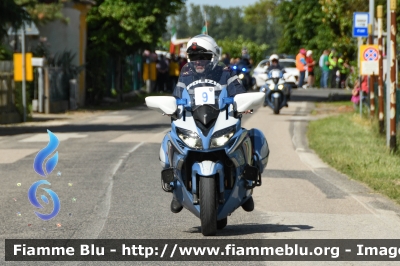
<point>266,27</point>
<point>321,24</point>
<point>10,14</point>
<point>44,11</point>
<point>120,28</point>
<point>181,19</point>
<point>234,48</point>
<point>196,20</point>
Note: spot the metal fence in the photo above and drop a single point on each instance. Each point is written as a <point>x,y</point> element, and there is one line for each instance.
<point>59,84</point>
<point>6,87</point>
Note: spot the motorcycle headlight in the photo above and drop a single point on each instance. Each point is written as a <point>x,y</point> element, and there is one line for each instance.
<point>190,138</point>
<point>221,137</point>
<point>263,89</point>
<point>241,76</point>
<point>271,86</point>
<point>280,87</point>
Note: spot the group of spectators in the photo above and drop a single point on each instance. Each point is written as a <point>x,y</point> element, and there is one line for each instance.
<point>334,67</point>
<point>228,61</point>
<point>168,69</point>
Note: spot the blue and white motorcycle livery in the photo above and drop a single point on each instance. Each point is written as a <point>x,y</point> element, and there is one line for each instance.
<point>211,164</point>
<point>276,91</point>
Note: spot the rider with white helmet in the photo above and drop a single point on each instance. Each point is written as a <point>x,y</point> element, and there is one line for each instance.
<point>274,63</point>
<point>204,54</point>
<point>203,64</point>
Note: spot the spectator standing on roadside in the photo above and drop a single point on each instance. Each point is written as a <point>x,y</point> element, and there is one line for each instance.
<point>301,66</point>
<point>333,68</point>
<point>356,91</point>
<point>173,72</point>
<point>310,65</point>
<point>182,63</point>
<point>324,65</point>
<point>226,59</point>
<point>344,71</point>
<point>162,73</point>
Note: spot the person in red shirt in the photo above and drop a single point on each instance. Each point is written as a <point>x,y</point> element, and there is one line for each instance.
<point>310,67</point>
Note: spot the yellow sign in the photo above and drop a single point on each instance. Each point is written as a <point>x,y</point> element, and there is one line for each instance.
<point>369,59</point>
<point>18,67</point>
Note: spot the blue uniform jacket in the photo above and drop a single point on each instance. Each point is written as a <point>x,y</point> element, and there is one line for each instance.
<point>219,75</point>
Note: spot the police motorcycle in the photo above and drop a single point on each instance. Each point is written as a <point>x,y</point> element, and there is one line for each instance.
<point>211,164</point>
<point>276,91</point>
<point>243,72</point>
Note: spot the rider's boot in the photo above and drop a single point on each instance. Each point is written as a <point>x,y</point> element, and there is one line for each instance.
<point>175,206</point>
<point>248,205</point>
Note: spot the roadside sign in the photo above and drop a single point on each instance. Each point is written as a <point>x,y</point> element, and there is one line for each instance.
<point>360,24</point>
<point>18,67</point>
<point>369,59</point>
<point>30,29</point>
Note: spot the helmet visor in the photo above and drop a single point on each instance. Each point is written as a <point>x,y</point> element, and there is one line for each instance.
<point>200,56</point>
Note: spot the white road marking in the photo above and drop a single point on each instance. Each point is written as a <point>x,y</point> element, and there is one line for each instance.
<point>110,119</point>
<point>97,225</point>
<point>13,155</point>
<point>44,137</point>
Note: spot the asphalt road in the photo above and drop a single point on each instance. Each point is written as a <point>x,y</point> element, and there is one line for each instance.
<point>109,186</point>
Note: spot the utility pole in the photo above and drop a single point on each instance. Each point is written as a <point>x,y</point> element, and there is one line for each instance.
<point>371,80</point>
<point>205,18</point>
<point>379,15</point>
<point>392,103</point>
<point>371,28</point>
<point>23,70</point>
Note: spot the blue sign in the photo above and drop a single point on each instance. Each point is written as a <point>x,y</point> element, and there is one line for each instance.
<point>360,24</point>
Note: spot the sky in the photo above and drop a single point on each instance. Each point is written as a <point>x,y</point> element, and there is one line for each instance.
<point>222,3</point>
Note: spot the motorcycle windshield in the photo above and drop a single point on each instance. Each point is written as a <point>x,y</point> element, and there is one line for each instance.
<point>205,89</point>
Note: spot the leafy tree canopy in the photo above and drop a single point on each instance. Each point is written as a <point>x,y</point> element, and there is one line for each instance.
<point>123,26</point>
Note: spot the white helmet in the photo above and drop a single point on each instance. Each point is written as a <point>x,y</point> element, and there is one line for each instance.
<point>273,57</point>
<point>203,45</point>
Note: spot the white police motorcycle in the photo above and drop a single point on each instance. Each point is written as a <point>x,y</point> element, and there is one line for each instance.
<point>276,91</point>
<point>211,164</point>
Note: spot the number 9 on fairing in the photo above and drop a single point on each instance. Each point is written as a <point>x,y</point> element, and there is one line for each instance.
<point>205,97</point>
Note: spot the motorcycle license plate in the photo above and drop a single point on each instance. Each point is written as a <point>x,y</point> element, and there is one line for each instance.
<point>204,95</point>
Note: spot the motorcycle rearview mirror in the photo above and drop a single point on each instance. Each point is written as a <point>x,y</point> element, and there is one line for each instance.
<point>247,101</point>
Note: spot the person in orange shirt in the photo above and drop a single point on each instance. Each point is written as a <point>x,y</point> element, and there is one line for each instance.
<point>301,66</point>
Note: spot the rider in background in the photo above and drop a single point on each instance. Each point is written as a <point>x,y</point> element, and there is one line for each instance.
<point>274,63</point>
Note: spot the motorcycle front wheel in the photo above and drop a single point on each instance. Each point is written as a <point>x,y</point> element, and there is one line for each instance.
<point>208,206</point>
<point>276,106</point>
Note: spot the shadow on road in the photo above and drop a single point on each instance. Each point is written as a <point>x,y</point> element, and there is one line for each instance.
<point>248,229</point>
<point>321,95</point>
<point>7,131</point>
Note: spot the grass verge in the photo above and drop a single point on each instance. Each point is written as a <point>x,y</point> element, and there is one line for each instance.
<point>353,146</point>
